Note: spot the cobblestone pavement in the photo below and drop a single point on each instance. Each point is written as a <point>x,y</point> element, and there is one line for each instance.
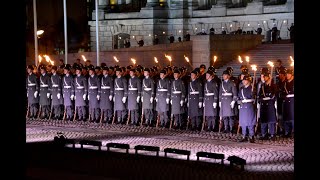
<point>261,156</point>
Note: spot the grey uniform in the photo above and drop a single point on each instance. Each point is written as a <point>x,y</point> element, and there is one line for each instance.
<point>178,94</point>
<point>227,94</point>
<point>195,96</point>
<point>68,91</point>
<point>55,90</point>
<point>148,93</point>
<point>163,93</point>
<point>210,96</point>
<point>94,90</point>
<point>80,89</point>
<point>32,86</point>
<point>120,91</point>
<point>134,90</point>
<point>45,85</point>
<point>106,91</point>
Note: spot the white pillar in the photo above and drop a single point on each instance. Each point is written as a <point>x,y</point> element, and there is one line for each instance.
<point>65,32</point>
<point>97,31</point>
<point>35,32</point>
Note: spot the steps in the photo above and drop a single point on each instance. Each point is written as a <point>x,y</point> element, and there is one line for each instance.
<point>260,56</point>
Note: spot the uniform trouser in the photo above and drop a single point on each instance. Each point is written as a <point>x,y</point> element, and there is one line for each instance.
<point>148,115</point>
<point>250,129</point>
<point>81,111</point>
<point>107,113</point>
<point>57,110</point>
<point>94,113</point>
<point>45,110</point>
<point>228,122</point>
<point>134,116</point>
<point>280,122</point>
<point>211,122</point>
<point>69,112</point>
<point>195,122</point>
<point>178,119</point>
<point>33,109</point>
<point>163,118</point>
<point>288,127</point>
<point>266,126</point>
<point>121,115</point>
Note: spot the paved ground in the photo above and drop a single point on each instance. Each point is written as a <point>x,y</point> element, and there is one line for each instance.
<point>262,156</point>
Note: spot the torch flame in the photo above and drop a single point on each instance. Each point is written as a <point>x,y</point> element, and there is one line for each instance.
<point>84,58</point>
<point>47,58</point>
<point>169,57</point>
<point>115,58</point>
<point>270,63</point>
<point>156,60</point>
<point>40,58</point>
<point>240,60</point>
<point>247,58</point>
<point>215,58</point>
<point>292,61</point>
<point>254,67</point>
<point>133,61</point>
<point>186,58</point>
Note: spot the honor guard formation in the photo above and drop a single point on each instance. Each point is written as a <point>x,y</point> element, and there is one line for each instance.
<point>172,97</point>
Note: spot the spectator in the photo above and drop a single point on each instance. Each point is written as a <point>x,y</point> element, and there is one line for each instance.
<point>187,36</point>
<point>141,42</point>
<point>211,31</point>
<point>291,33</point>
<point>171,38</point>
<point>127,43</point>
<point>179,39</point>
<point>259,30</point>
<point>156,40</point>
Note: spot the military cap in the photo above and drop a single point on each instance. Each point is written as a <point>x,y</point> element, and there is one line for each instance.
<point>111,68</point>
<point>105,68</point>
<point>133,70</point>
<point>42,67</point>
<point>30,67</point>
<point>54,68</point>
<point>163,71</point>
<point>211,68</point>
<point>203,66</point>
<point>244,71</point>
<point>67,67</point>
<point>243,66</point>
<point>230,69</point>
<point>98,67</point>
<point>90,67</point>
<point>119,69</point>
<point>265,73</point>
<point>103,64</point>
<point>226,72</point>
<point>247,77</point>
<point>78,68</point>
<point>146,69</point>
<point>290,71</point>
<point>197,69</point>
<point>264,69</point>
<point>176,71</point>
<point>194,72</point>
<point>210,72</point>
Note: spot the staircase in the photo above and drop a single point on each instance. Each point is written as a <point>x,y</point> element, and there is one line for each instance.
<point>260,56</point>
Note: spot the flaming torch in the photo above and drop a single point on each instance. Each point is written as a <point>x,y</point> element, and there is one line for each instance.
<point>84,58</point>
<point>115,58</point>
<point>133,61</point>
<point>48,59</point>
<point>254,68</point>
<point>271,65</point>
<point>292,61</point>
<point>169,58</point>
<point>214,59</point>
<point>240,60</point>
<point>247,60</point>
<point>188,61</point>
<point>157,62</point>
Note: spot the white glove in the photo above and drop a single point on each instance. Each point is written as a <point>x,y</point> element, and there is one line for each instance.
<point>275,105</point>
<point>171,101</point>
<point>203,104</point>
<point>72,97</point>
<point>124,99</point>
<point>51,96</point>
<point>114,99</point>
<point>151,100</point>
<point>187,104</point>
<point>138,99</point>
<point>156,99</point>
<point>48,95</point>
<point>167,100</point>
<point>110,98</point>
<point>84,97</point>
<point>98,97</point>
<point>58,95</point>
<point>219,104</point>
<point>258,105</point>
<point>200,104</point>
<point>232,104</point>
<point>142,99</point>
<point>214,105</point>
<point>88,97</point>
<point>181,103</point>
<point>239,106</point>
<point>27,94</point>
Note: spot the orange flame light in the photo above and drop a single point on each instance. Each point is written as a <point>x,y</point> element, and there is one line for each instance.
<point>215,59</point>
<point>84,58</point>
<point>186,58</point>
<point>292,61</point>
<point>156,60</point>
<point>247,59</point>
<point>240,60</point>
<point>115,58</point>
<point>133,61</point>
<point>40,58</point>
<point>270,63</point>
<point>254,67</point>
<point>168,57</point>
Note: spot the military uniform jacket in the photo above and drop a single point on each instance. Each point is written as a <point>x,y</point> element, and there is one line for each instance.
<point>178,93</point>
<point>288,104</point>
<point>195,95</point>
<point>266,98</point>
<point>120,91</point>
<point>94,89</point>
<point>147,92</point>
<point>106,90</point>
<point>45,87</point>
<point>80,88</point>
<point>68,89</point>
<point>227,94</point>
<point>210,96</point>
<point>55,89</point>
<point>163,92</point>
<point>247,115</point>
<point>134,90</point>
<point>32,85</point>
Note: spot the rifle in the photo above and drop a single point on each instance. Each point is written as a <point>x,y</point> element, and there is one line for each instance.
<point>39,111</point>
<point>258,117</point>
<point>51,110</point>
<point>28,109</point>
<point>204,118</point>
<point>277,116</point>
<point>101,117</point>
<point>141,116</point>
<point>64,113</point>
<point>220,124</point>
<point>129,114</point>
<point>171,119</point>
<point>158,119</point>
<point>114,116</point>
<point>188,122</point>
<point>75,113</point>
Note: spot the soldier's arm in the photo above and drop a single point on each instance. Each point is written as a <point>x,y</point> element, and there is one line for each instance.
<point>111,87</point>
<point>220,91</point>
<point>183,90</point>
<point>139,87</point>
<point>36,80</point>
<point>125,87</point>
<point>59,84</point>
<point>49,84</point>
<point>234,92</point>
<point>215,92</point>
<point>99,85</point>
<point>200,92</point>
<point>152,88</point>
<point>169,88</point>
<point>85,84</point>
<point>72,86</point>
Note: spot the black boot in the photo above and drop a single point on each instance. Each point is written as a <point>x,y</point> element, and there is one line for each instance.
<point>251,139</point>
<point>244,139</point>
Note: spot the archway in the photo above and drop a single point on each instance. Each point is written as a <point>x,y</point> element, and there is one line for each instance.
<point>119,40</point>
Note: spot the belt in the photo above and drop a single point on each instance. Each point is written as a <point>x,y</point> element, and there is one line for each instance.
<point>31,84</point>
<point>209,94</point>
<point>266,98</point>
<point>45,85</point>
<point>147,89</point>
<point>195,92</point>
<point>118,89</point>
<point>226,94</point>
<point>247,100</point>
<point>162,89</point>
<point>290,95</point>
<point>55,85</point>
<point>67,87</point>
<point>93,87</point>
<point>133,89</point>
<point>80,87</point>
<point>105,87</point>
<point>176,92</point>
